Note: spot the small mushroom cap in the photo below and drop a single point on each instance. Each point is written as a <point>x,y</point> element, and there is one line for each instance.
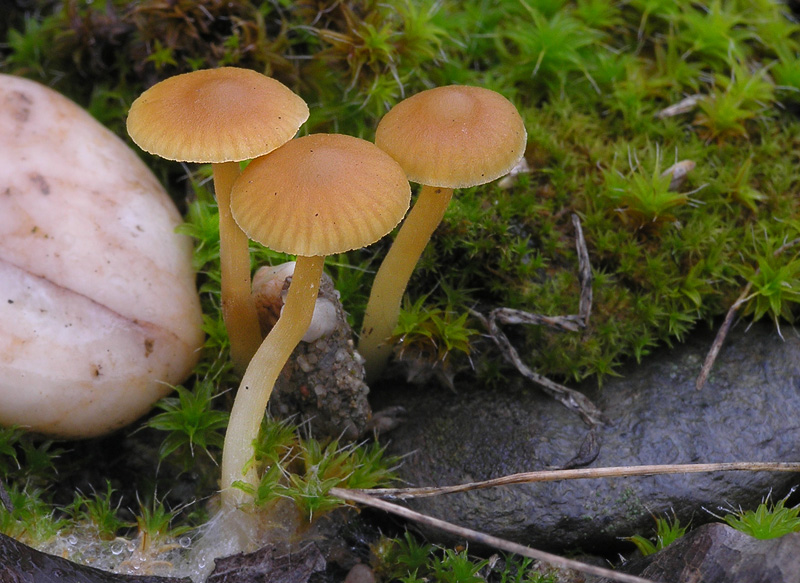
<point>215,115</point>
<point>454,137</point>
<point>320,194</point>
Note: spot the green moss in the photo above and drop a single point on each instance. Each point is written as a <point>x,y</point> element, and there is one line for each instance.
<point>667,531</point>
<point>407,559</point>
<point>304,470</point>
<point>769,520</point>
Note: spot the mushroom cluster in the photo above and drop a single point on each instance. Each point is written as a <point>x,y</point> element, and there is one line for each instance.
<point>314,196</point>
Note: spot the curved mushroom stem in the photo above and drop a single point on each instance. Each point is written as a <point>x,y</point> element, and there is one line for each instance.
<point>259,379</point>
<point>383,306</point>
<point>238,308</point>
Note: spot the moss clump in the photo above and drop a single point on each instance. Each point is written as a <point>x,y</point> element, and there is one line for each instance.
<point>410,560</point>
<point>769,520</point>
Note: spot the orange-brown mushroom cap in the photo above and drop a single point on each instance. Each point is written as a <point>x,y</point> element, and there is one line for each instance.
<point>215,115</point>
<point>321,194</point>
<point>453,137</point>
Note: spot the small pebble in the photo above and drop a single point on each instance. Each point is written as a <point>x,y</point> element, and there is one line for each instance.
<point>360,573</point>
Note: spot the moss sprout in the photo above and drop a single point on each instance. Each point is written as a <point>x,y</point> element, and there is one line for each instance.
<point>667,531</point>
<point>769,520</point>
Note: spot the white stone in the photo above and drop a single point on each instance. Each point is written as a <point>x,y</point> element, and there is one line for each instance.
<point>269,296</point>
<point>99,313</point>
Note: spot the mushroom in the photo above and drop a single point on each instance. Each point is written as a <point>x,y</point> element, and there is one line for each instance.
<point>444,138</point>
<point>221,116</point>
<point>314,196</point>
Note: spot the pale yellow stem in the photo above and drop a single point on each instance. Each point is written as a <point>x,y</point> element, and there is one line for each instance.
<point>259,379</point>
<point>383,306</point>
<point>238,309</point>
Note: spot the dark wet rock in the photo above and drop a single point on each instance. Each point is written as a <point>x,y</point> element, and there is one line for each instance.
<point>20,563</point>
<point>324,552</point>
<point>266,566</point>
<point>746,412</point>
<point>717,553</point>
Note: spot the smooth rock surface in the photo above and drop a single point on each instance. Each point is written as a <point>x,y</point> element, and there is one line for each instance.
<point>746,412</point>
<point>98,305</point>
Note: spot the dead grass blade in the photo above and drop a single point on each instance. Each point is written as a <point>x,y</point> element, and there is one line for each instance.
<point>583,474</point>
<point>483,538</point>
<point>722,333</point>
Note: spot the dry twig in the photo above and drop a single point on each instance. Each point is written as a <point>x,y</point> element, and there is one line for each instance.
<point>375,498</point>
<point>5,499</point>
<point>722,333</point>
<point>483,538</point>
<point>685,105</point>
<point>583,474</point>
<point>570,398</point>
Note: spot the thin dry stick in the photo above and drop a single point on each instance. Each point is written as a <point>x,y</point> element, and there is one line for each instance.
<point>570,398</point>
<point>584,273</point>
<point>5,498</point>
<point>722,333</point>
<point>719,339</point>
<point>582,474</point>
<point>483,538</point>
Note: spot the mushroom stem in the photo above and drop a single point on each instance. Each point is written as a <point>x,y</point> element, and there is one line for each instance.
<point>383,306</point>
<point>238,308</point>
<point>259,378</point>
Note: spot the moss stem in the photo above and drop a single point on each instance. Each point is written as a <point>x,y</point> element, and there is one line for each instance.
<point>383,306</point>
<point>262,372</point>
<point>238,309</point>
